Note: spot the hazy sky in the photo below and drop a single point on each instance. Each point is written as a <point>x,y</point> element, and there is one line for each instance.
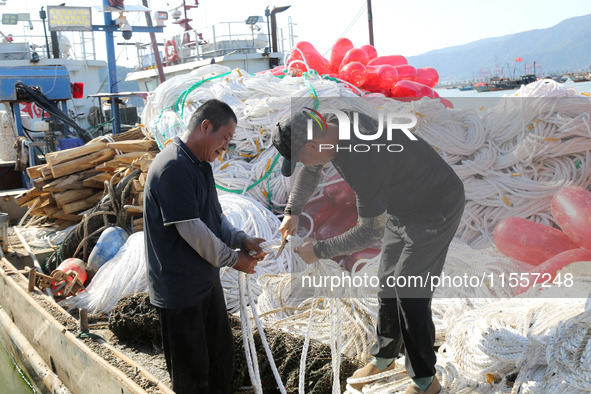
<point>400,27</point>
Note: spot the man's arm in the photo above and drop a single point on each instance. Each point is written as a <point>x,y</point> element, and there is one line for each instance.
<point>231,235</point>
<point>367,232</point>
<point>204,242</point>
<point>304,186</point>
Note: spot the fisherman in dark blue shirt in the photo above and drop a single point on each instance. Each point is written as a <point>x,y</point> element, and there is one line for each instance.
<point>187,241</point>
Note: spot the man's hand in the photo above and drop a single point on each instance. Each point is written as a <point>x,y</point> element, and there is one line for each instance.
<point>306,251</point>
<point>289,225</point>
<point>245,263</point>
<point>253,244</point>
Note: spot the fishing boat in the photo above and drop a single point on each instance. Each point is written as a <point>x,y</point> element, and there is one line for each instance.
<point>44,340</point>
<point>579,77</point>
<point>499,83</point>
<point>481,87</point>
<point>465,88</point>
<point>46,104</point>
<point>241,45</point>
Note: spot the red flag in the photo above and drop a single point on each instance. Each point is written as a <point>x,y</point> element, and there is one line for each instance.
<point>518,59</point>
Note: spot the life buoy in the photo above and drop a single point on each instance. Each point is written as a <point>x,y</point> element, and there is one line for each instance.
<point>172,55</point>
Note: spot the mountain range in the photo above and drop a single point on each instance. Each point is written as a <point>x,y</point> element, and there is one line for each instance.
<point>565,47</point>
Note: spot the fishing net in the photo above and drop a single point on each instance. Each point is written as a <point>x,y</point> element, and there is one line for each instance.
<point>134,319</point>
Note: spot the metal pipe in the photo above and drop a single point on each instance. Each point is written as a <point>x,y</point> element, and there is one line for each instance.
<point>43,15</point>
<point>275,11</point>
<point>370,22</point>
<point>55,45</point>
<point>157,58</point>
<point>267,13</point>
<point>112,67</point>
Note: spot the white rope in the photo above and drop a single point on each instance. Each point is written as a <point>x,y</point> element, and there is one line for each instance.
<point>247,337</point>
<point>125,274</point>
<point>511,159</point>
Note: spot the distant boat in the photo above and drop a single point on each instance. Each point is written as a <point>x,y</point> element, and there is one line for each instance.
<point>579,77</point>
<point>481,87</point>
<point>496,84</point>
<point>465,87</point>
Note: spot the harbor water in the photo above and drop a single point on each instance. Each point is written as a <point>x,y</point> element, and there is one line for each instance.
<point>12,380</point>
<point>471,99</point>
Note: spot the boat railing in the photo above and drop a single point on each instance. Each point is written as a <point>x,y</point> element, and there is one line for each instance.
<point>221,39</point>
<point>72,45</point>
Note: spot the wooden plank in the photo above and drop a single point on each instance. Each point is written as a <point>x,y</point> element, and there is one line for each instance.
<point>68,196</point>
<point>83,163</point>
<point>106,167</point>
<point>83,204</point>
<point>138,224</point>
<point>142,179</point>
<point>136,186</point>
<point>37,212</point>
<point>34,172</point>
<point>52,186</point>
<point>79,368</point>
<point>131,134</point>
<point>95,184</point>
<point>42,376</point>
<point>69,182</point>
<point>50,210</point>
<point>26,196</point>
<point>43,200</point>
<point>98,181</point>
<point>128,171</point>
<point>46,173</point>
<point>133,210</point>
<point>144,164</point>
<point>128,158</point>
<point>40,182</point>
<point>133,145</point>
<point>55,158</point>
<point>118,165</point>
<point>67,216</point>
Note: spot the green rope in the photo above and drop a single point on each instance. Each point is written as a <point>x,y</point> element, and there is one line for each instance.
<point>98,126</point>
<point>183,97</point>
<point>314,94</point>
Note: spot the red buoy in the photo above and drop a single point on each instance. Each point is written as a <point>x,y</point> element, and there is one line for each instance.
<point>529,242</point>
<point>571,208</point>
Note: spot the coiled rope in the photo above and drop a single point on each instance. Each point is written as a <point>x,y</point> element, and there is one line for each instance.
<point>512,159</point>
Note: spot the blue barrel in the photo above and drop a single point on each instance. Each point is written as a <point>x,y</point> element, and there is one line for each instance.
<point>109,243</point>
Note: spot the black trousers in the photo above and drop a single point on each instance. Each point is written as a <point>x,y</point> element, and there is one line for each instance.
<point>415,248</point>
<point>198,345</point>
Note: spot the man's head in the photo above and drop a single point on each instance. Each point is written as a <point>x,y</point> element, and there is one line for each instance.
<point>210,130</point>
<point>290,138</point>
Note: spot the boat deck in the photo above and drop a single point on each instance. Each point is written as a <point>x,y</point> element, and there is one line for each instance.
<point>83,365</point>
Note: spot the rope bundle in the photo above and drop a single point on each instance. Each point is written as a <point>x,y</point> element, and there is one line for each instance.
<point>123,275</point>
<point>512,159</point>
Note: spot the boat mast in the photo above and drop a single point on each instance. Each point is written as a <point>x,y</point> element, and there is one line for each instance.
<point>370,22</point>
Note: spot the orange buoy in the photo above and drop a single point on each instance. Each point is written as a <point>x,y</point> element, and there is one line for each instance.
<point>75,265</point>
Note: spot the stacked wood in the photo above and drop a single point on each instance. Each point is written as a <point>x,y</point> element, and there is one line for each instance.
<point>73,180</point>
